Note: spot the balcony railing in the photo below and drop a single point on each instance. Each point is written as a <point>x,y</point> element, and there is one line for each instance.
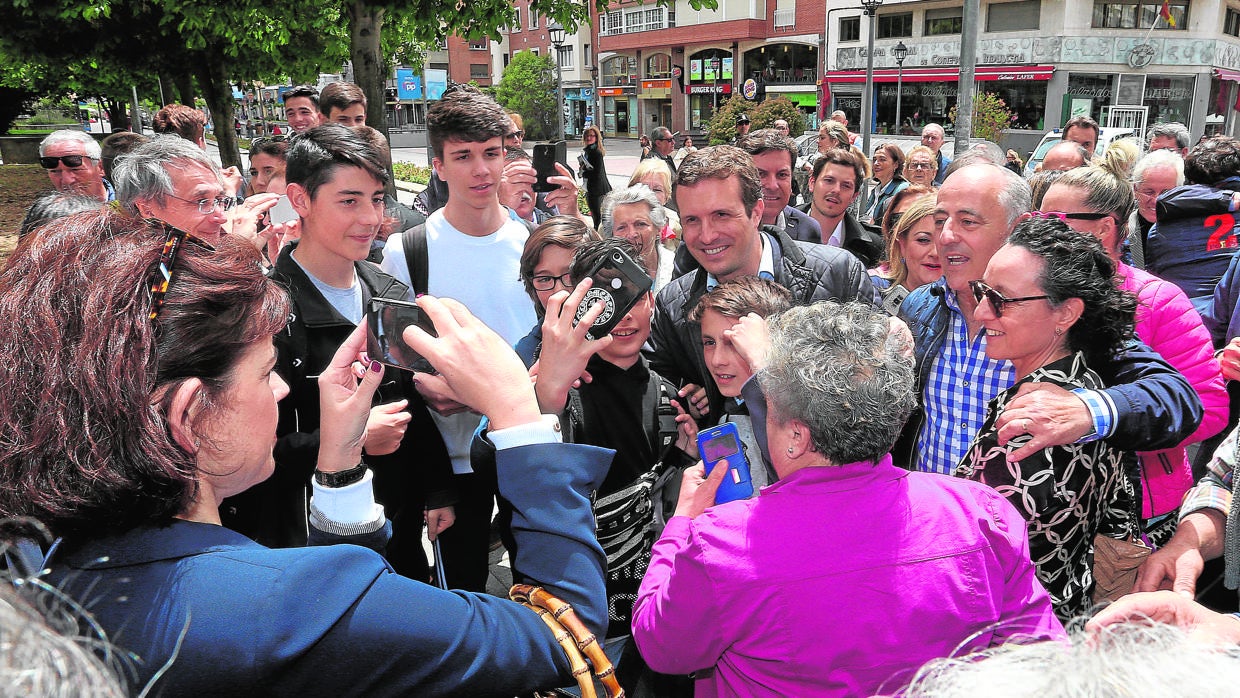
<point>785,18</point>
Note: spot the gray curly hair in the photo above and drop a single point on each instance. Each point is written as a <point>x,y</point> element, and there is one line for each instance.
<point>636,194</point>
<point>838,369</point>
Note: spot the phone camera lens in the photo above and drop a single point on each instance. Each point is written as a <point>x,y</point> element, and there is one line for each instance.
<point>615,257</point>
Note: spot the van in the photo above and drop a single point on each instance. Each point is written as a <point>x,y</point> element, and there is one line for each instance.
<point>1054,136</point>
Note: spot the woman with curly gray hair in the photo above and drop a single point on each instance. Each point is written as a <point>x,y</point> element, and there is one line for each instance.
<point>1049,304</point>
<point>941,560</point>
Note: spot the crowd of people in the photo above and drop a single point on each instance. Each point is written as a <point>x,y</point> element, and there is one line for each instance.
<point>974,410</point>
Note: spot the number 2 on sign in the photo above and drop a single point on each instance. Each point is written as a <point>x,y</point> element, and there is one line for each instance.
<point>1223,225</point>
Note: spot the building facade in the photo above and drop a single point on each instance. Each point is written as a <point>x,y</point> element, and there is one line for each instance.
<point>575,57</point>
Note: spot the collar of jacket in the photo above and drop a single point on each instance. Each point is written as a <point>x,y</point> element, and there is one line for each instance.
<point>314,309</point>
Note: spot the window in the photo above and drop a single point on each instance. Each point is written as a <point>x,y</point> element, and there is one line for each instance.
<point>659,66</point>
<point>943,21</point>
<point>1231,25</point>
<point>1013,16</point>
<point>1142,15</point>
<point>478,45</point>
<point>617,71</point>
<point>533,19</point>
<point>479,70</point>
<point>564,55</point>
<point>516,23</point>
<point>892,26</point>
<point>850,29</point>
<point>638,20</point>
<point>586,55</point>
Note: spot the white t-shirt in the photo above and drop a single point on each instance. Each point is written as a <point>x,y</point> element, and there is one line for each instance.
<point>346,301</point>
<point>482,273</point>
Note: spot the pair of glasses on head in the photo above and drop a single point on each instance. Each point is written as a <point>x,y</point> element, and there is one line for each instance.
<point>208,206</point>
<point>1064,216</point>
<point>547,283</point>
<point>516,134</point>
<point>260,141</point>
<point>174,239</point>
<point>72,161</point>
<point>998,300</point>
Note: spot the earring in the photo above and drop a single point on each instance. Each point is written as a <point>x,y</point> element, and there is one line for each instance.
<point>790,450</point>
<point>1058,331</point>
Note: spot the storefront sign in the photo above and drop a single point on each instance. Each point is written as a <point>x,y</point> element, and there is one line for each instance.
<point>724,89</point>
<point>656,85</point>
<point>750,89</point>
<point>1141,55</point>
<point>614,91</point>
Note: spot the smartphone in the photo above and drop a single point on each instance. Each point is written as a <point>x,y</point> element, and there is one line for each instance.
<point>386,320</point>
<point>545,158</point>
<point>619,283</point>
<point>283,211</point>
<point>721,447</point>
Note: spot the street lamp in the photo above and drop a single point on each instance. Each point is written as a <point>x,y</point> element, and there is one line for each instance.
<point>900,52</point>
<point>867,96</point>
<point>556,33</point>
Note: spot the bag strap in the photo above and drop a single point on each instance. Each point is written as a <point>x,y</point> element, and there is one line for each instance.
<point>659,416</point>
<point>417,259</point>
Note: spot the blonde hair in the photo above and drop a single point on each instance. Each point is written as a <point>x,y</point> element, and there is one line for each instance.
<point>897,269</point>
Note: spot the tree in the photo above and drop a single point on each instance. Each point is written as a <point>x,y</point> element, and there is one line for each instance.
<point>777,108</point>
<point>528,87</point>
<point>722,126</point>
<point>990,116</point>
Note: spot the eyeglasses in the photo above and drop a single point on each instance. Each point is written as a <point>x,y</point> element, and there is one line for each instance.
<point>50,162</point>
<point>997,300</point>
<point>207,206</point>
<point>920,166</point>
<point>1065,217</point>
<point>666,139</point>
<point>167,261</point>
<point>516,134</point>
<point>547,283</point>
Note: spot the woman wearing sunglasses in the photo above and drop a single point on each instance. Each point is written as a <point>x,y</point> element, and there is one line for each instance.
<point>1048,303</point>
<point>1098,201</point>
<point>137,391</point>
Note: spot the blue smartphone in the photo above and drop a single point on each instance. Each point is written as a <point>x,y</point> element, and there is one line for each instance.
<point>720,446</point>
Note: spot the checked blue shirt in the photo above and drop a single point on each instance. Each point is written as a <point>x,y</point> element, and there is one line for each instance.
<point>962,381</point>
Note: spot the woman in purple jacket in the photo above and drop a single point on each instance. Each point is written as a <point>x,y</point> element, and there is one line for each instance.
<point>849,573</point>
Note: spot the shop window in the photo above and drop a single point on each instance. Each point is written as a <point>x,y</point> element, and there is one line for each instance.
<point>1134,15</point>
<point>1013,16</point>
<point>782,63</point>
<point>943,21</point>
<point>894,25</point>
<point>616,71</point>
<point>1169,98</point>
<point>850,29</point>
<point>478,71</point>
<point>1231,25</point>
<point>710,65</point>
<point>659,67</point>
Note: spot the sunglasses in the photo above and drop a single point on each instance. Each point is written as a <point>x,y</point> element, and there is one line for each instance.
<point>207,206</point>
<point>997,300</point>
<point>264,140</point>
<point>50,163</point>
<point>1065,217</point>
<point>173,240</point>
<point>516,134</point>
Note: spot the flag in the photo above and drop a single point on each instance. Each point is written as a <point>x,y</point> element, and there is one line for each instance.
<point>1165,12</point>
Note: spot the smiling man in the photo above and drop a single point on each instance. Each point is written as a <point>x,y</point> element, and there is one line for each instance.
<point>342,103</point>
<point>301,108</point>
<point>833,187</point>
<point>774,154</point>
<point>721,207</point>
<point>72,161</point>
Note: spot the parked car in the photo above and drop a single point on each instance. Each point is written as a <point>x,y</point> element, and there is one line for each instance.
<point>1054,136</point>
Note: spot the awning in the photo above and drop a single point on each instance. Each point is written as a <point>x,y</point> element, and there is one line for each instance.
<point>1225,74</point>
<point>983,73</point>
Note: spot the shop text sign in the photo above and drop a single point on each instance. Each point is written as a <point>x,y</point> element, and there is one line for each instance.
<point>725,89</point>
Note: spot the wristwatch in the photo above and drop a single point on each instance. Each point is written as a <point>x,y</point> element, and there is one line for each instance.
<point>341,478</point>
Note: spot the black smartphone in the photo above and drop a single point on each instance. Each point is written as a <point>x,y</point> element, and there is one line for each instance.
<point>619,283</point>
<point>386,320</point>
<point>545,157</point>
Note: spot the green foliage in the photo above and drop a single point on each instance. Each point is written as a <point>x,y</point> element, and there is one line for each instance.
<point>722,127</point>
<point>990,116</point>
<point>409,172</point>
<point>528,88</point>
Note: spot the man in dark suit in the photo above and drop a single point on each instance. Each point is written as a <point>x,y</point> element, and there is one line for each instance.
<point>775,155</point>
<point>833,187</point>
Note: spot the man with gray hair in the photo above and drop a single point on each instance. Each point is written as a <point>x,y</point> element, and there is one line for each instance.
<point>72,160</point>
<point>1156,172</point>
<point>1149,405</point>
<point>1172,136</point>
<point>173,180</point>
<point>635,214</point>
<point>933,136</point>
<point>663,143</point>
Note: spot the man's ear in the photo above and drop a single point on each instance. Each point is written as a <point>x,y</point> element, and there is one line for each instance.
<point>183,409</point>
<point>299,198</point>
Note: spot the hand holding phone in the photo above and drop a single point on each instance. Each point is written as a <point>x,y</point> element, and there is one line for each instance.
<point>619,282</point>
<point>721,447</point>
<point>386,320</point>
<point>545,157</point>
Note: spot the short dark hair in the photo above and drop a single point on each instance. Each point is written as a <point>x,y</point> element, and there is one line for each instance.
<point>307,91</point>
<point>180,120</point>
<point>1082,121</point>
<point>765,140</point>
<point>513,154</point>
<point>82,357</point>
<point>339,95</point>
<point>464,115</point>
<point>742,296</point>
<point>377,140</point>
<point>275,146</point>
<point>723,162</point>
<point>840,156</point>
<point>315,155</point>
<point>568,232</point>
<point>896,153</point>
<point>1075,265</point>
<point>594,251</point>
<point>1212,160</point>
<point>116,145</point>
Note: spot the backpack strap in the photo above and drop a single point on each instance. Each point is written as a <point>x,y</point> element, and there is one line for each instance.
<point>659,415</point>
<point>416,257</point>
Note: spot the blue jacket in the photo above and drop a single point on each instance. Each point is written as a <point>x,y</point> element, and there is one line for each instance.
<point>1195,238</point>
<point>1156,407</point>
<point>336,620</point>
<point>1222,316</point>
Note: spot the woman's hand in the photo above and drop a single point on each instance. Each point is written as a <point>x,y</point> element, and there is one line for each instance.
<point>475,363</point>
<point>344,403</point>
<point>564,196</point>
<point>565,349</point>
<point>751,337</point>
<point>697,492</point>
<point>1173,609</point>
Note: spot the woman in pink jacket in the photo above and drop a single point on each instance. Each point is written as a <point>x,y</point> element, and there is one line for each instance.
<point>1097,200</point>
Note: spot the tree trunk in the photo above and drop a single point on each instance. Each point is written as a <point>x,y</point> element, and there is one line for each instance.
<point>118,115</point>
<point>369,68</point>
<point>213,78</point>
<point>185,88</point>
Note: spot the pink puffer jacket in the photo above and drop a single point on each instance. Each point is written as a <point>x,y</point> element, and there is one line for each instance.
<point>1170,325</point>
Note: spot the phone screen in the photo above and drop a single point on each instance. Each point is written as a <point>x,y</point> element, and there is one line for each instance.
<point>720,447</point>
<point>385,329</point>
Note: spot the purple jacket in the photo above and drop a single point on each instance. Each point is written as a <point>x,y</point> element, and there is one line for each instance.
<point>1170,325</point>
<point>838,581</point>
